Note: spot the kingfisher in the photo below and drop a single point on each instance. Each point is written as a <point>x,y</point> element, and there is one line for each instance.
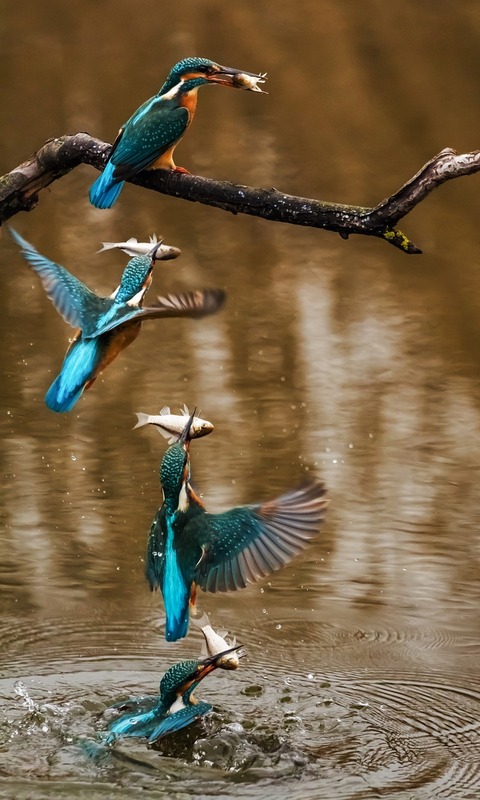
<point>188,547</point>
<point>147,140</point>
<point>107,325</point>
<point>175,706</point>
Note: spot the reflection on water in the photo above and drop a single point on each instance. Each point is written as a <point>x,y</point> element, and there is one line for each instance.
<point>346,359</point>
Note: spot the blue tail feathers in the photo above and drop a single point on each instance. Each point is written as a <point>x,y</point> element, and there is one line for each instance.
<point>59,398</point>
<point>79,367</point>
<point>106,189</point>
<point>176,628</point>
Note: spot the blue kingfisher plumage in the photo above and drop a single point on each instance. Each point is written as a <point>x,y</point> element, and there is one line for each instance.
<point>188,547</point>
<point>107,325</point>
<point>175,706</point>
<point>147,140</point>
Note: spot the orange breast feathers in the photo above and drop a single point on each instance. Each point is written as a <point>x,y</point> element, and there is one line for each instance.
<point>116,341</point>
<point>189,101</point>
<point>165,161</point>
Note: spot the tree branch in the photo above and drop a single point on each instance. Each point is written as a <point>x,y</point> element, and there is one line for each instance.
<point>19,190</point>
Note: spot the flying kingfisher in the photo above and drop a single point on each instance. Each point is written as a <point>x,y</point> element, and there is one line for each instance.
<point>187,546</point>
<point>175,707</point>
<point>107,325</point>
<point>147,140</point>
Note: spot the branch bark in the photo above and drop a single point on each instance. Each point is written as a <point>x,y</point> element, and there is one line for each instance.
<point>19,190</point>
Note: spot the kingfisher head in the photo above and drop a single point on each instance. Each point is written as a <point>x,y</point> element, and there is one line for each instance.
<point>181,679</point>
<point>190,73</point>
<point>175,470</point>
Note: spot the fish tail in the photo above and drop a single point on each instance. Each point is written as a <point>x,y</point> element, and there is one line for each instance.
<point>106,246</point>
<point>105,190</point>
<point>143,419</point>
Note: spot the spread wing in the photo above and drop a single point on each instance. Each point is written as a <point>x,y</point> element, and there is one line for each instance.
<point>149,133</point>
<point>199,303</point>
<point>75,302</point>
<point>179,720</point>
<point>249,542</point>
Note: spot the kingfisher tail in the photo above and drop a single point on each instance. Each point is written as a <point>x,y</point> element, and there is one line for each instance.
<point>78,369</point>
<point>60,397</point>
<point>105,190</point>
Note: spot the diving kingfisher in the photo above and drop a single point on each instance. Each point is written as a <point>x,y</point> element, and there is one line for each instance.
<point>107,325</point>
<point>221,552</point>
<point>175,707</point>
<point>147,140</point>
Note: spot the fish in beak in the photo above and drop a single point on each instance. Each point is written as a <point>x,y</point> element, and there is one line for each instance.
<point>237,78</point>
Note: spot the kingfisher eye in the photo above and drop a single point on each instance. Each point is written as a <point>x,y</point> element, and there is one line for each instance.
<point>203,68</point>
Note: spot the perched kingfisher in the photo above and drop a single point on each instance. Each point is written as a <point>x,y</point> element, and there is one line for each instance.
<point>220,552</point>
<point>147,140</point>
<point>175,707</point>
<point>107,325</point>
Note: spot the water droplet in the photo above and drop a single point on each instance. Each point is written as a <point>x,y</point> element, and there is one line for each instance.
<point>278,627</point>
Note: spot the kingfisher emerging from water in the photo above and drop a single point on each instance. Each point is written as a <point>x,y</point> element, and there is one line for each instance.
<point>107,325</point>
<point>149,137</point>
<point>188,547</point>
<point>175,707</point>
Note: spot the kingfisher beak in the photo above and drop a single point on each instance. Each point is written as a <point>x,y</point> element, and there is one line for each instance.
<point>227,76</point>
<point>185,435</point>
<point>220,660</point>
<point>156,247</point>
<point>163,252</point>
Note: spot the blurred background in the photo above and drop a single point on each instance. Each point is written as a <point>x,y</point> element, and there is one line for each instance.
<point>347,360</point>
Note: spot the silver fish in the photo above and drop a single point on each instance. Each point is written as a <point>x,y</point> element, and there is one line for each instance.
<point>132,247</point>
<point>250,82</point>
<point>172,425</point>
<point>215,645</point>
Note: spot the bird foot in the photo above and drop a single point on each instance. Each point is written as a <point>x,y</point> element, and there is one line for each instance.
<point>182,170</point>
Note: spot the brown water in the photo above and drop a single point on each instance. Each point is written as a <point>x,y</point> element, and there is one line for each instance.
<point>346,359</point>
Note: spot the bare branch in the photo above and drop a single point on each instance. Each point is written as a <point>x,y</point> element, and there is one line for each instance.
<point>19,191</point>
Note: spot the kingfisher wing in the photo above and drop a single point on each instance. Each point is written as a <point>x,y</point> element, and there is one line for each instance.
<point>199,303</point>
<point>247,543</point>
<point>155,557</point>
<point>138,725</point>
<point>147,135</point>
<point>74,301</point>
<point>178,720</point>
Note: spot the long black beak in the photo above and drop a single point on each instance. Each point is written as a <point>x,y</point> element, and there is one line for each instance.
<point>210,663</point>
<point>156,247</point>
<point>227,76</point>
<point>207,665</point>
<point>231,71</point>
<point>185,435</point>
